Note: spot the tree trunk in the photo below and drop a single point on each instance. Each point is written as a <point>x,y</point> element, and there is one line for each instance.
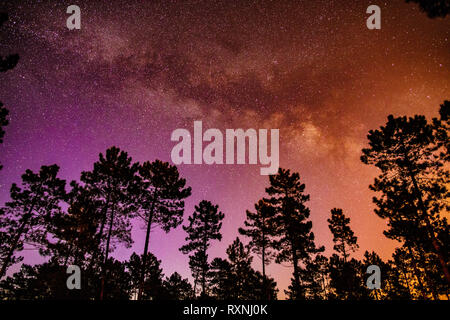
<point>66,260</point>
<point>104,213</point>
<point>204,277</point>
<point>429,227</point>
<point>195,285</point>
<point>147,240</point>
<point>205,261</point>
<point>406,280</point>
<point>99,236</point>
<point>344,253</point>
<point>416,273</point>
<point>107,252</point>
<point>324,285</point>
<point>13,247</point>
<point>429,281</point>
<point>27,216</point>
<point>265,291</point>
<point>100,233</point>
<point>296,273</point>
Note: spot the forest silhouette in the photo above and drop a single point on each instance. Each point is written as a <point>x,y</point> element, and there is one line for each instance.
<point>82,223</point>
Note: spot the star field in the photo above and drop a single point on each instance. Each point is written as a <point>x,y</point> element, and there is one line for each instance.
<point>137,70</point>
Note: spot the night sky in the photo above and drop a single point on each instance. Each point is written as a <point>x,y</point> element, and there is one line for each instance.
<point>137,70</point>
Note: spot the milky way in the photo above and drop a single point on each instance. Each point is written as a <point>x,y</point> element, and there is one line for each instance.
<point>137,70</point>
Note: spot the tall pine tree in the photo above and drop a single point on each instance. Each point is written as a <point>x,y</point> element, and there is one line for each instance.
<point>260,228</point>
<point>408,152</point>
<point>204,226</point>
<point>27,217</point>
<point>295,241</point>
<point>112,185</point>
<point>343,236</point>
<point>160,200</point>
<point>177,288</point>
<point>75,230</point>
<point>152,284</point>
<point>346,276</point>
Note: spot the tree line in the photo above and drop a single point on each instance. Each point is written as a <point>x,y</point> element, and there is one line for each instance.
<point>83,223</point>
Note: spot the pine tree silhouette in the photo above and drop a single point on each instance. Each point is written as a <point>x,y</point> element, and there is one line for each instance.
<point>75,230</point>
<point>235,278</point>
<point>160,200</point>
<point>261,229</point>
<point>152,285</point>
<point>295,241</point>
<point>343,237</point>
<point>412,182</point>
<point>204,226</point>
<point>177,288</point>
<point>26,218</point>
<point>112,185</point>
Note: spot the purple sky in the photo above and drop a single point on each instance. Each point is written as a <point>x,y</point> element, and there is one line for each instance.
<point>137,70</point>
